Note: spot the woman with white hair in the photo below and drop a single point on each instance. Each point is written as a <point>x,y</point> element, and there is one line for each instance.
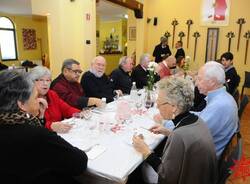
<point>189,146</point>
<point>57,109</point>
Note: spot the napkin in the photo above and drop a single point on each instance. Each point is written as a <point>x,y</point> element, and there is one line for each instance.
<point>95,152</point>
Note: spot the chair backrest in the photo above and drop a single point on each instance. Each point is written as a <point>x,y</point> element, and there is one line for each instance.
<point>247,79</point>
<point>232,152</point>
<point>246,82</point>
<point>243,103</point>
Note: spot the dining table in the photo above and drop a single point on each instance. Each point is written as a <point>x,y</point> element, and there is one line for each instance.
<point>105,135</point>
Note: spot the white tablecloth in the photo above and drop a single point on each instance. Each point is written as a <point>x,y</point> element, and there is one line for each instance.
<point>119,158</point>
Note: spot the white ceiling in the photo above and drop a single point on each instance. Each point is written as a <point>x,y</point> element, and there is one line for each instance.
<point>22,7</point>
<point>106,10</point>
<point>109,11</point>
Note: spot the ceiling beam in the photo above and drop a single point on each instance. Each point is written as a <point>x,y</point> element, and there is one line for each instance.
<point>131,4</point>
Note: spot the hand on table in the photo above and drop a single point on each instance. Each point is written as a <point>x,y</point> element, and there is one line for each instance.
<point>60,127</point>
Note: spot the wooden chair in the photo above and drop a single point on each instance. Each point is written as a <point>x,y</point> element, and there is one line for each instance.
<point>246,83</point>
<point>243,103</point>
<point>231,153</point>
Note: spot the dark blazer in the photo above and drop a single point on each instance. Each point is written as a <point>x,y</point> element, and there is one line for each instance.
<point>121,80</point>
<point>232,80</point>
<point>97,86</point>
<point>159,52</point>
<point>180,52</point>
<point>139,75</point>
<point>31,154</point>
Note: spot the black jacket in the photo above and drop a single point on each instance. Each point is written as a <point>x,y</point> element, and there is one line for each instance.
<point>97,87</point>
<point>232,80</point>
<point>180,52</point>
<point>159,52</point>
<point>31,154</point>
<point>139,75</point>
<point>121,80</point>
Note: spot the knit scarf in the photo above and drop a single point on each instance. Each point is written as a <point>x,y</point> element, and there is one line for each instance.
<point>20,117</point>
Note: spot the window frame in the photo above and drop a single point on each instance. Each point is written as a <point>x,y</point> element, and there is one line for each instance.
<point>14,33</point>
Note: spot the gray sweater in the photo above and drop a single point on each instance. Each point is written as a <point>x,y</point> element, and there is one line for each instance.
<point>189,156</point>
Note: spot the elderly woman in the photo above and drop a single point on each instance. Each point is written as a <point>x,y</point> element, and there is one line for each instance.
<point>189,146</point>
<point>29,152</point>
<point>57,109</point>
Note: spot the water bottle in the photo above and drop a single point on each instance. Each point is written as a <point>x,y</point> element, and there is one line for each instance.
<point>103,102</point>
<point>133,91</point>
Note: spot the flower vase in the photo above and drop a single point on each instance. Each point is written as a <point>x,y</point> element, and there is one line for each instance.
<point>149,98</point>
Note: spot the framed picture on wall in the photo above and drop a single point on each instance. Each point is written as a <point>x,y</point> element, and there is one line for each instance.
<point>212,44</point>
<point>215,12</point>
<point>132,33</point>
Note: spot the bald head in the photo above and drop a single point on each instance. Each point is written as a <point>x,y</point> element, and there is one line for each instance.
<point>170,61</point>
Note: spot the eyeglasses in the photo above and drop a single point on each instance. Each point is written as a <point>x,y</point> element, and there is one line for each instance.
<point>75,71</point>
<point>43,80</point>
<point>159,105</point>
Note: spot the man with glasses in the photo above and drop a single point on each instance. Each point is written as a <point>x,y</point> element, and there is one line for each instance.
<point>68,87</point>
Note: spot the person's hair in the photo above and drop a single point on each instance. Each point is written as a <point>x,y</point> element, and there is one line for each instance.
<point>163,39</point>
<point>180,42</point>
<point>214,70</point>
<point>143,58</point>
<point>67,63</point>
<point>178,91</point>
<point>98,58</point>
<point>14,86</point>
<point>123,60</point>
<point>179,59</point>
<point>227,56</point>
<point>39,72</point>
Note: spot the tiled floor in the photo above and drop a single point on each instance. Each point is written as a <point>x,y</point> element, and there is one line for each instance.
<point>245,132</point>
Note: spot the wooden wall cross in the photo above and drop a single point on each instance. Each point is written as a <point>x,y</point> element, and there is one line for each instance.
<point>247,36</point>
<point>181,35</point>
<point>230,35</point>
<point>240,21</point>
<point>196,35</point>
<point>167,35</point>
<point>174,24</point>
<point>189,23</point>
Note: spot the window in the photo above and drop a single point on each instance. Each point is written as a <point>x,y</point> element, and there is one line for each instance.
<point>7,40</point>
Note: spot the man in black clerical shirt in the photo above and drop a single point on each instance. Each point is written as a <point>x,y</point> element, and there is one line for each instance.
<point>180,51</point>
<point>120,78</point>
<point>161,50</point>
<point>95,83</point>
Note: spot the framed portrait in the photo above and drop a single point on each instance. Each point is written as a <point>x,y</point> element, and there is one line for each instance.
<point>132,33</point>
<point>212,44</point>
<point>215,12</point>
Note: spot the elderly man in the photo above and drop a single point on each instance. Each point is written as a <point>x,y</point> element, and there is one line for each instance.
<point>221,112</point>
<point>161,50</point>
<point>95,83</point>
<point>140,72</point>
<point>164,68</point>
<point>120,78</point>
<point>68,88</point>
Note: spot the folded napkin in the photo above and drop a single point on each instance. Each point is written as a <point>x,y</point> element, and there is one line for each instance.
<point>95,152</point>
